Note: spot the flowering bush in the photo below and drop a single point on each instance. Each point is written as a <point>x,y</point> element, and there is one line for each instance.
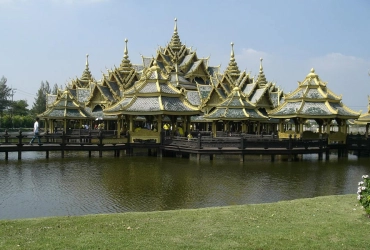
<point>363,193</point>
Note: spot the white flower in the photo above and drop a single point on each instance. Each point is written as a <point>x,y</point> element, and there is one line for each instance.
<point>363,188</point>
<point>365,177</point>
<point>359,191</point>
<point>360,183</point>
<point>358,197</point>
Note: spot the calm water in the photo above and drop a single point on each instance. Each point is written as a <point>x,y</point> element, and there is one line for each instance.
<point>77,185</point>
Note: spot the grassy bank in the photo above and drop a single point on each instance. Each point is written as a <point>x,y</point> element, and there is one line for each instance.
<point>332,222</point>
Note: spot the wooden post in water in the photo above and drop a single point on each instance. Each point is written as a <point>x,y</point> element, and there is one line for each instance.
<point>320,156</point>
<point>128,143</point>
<point>6,141</point>
<point>272,158</point>
<point>63,143</point>
<point>320,149</point>
<point>160,149</point>
<point>327,154</point>
<point>89,141</point>
<point>242,143</point>
<point>100,143</point>
<point>47,141</point>
<point>19,145</point>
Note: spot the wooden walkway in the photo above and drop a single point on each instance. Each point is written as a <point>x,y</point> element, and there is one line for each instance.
<point>179,146</point>
<point>61,143</point>
<point>247,146</point>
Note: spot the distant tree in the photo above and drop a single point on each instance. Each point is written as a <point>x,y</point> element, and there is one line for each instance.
<point>39,106</point>
<point>5,93</point>
<point>47,88</point>
<point>55,89</point>
<point>20,108</point>
<point>20,121</point>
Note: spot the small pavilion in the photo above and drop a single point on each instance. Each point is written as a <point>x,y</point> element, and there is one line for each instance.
<point>313,100</point>
<point>65,112</point>
<point>235,108</point>
<point>364,119</point>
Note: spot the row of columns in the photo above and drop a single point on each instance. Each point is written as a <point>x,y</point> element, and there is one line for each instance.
<point>323,125</point>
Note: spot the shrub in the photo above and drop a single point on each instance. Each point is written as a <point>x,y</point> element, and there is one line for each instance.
<point>363,193</point>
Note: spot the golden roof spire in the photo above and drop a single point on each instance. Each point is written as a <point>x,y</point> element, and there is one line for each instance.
<point>125,64</point>
<point>87,60</point>
<point>175,42</point>
<point>261,68</point>
<point>312,73</point>
<point>86,74</point>
<point>175,28</point>
<point>261,76</point>
<point>232,68</point>
<point>126,50</point>
<point>232,56</point>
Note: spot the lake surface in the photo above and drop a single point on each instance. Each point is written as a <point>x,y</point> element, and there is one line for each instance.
<point>78,185</point>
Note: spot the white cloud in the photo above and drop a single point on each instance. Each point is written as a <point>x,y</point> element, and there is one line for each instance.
<point>347,75</point>
<point>249,59</point>
<point>338,62</point>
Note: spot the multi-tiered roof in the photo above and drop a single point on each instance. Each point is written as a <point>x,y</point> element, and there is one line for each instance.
<point>174,82</point>
<point>313,100</point>
<point>153,94</point>
<point>232,103</point>
<point>364,118</point>
<point>66,106</point>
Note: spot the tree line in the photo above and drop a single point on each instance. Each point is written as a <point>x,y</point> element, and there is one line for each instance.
<point>16,114</point>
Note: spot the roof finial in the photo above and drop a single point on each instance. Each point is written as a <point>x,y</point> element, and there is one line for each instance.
<point>261,68</point>
<point>86,74</point>
<point>175,42</point>
<point>126,50</point>
<point>261,79</point>
<point>87,60</point>
<point>125,64</point>
<point>312,73</point>
<point>232,68</point>
<point>232,56</point>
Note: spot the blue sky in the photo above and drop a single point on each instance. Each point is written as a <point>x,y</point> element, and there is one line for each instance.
<point>48,39</point>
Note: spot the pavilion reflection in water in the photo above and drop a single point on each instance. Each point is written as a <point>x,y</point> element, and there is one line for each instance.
<point>181,92</point>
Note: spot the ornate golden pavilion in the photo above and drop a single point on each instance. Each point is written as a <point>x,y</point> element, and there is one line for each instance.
<point>313,100</point>
<point>364,119</point>
<point>176,89</point>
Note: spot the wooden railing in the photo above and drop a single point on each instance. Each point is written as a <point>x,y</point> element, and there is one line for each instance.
<point>82,137</point>
<point>245,142</point>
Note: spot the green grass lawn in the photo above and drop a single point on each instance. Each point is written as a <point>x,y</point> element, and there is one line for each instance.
<point>331,222</point>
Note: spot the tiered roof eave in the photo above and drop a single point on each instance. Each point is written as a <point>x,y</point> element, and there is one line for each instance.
<point>313,100</point>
